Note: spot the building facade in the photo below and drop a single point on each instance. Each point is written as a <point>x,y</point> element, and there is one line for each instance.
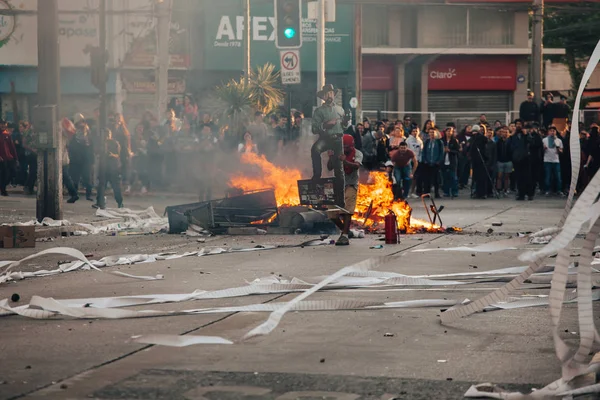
<point>131,45</point>
<point>454,60</point>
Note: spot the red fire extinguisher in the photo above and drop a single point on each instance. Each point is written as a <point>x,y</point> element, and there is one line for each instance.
<point>391,228</point>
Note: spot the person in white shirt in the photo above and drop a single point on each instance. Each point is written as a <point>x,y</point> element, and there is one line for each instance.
<point>553,147</point>
<point>415,144</point>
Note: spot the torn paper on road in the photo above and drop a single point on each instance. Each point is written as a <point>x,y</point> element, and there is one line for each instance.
<point>141,221</point>
<point>583,215</point>
<point>180,341</point>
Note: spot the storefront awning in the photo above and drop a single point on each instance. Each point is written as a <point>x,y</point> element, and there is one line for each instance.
<point>456,51</point>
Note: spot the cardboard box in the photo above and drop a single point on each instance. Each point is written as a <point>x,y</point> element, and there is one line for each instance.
<point>17,237</point>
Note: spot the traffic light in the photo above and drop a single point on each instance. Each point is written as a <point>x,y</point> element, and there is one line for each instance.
<point>288,17</point>
<point>98,61</point>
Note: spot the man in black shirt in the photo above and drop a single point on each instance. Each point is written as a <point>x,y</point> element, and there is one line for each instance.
<point>529,111</point>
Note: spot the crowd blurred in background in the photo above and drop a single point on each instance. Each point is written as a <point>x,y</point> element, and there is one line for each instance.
<point>185,148</point>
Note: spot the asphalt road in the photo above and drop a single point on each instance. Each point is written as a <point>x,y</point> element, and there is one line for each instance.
<point>375,354</point>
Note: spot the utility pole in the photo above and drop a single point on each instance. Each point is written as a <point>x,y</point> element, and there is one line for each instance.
<point>320,47</point>
<point>100,200</point>
<point>163,28</point>
<point>247,26</point>
<point>537,49</point>
<point>49,195</point>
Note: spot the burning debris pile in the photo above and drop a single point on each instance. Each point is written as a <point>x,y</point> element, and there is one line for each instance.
<point>375,197</point>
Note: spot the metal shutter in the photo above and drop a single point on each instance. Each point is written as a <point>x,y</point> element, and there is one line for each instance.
<point>466,107</point>
<point>373,101</point>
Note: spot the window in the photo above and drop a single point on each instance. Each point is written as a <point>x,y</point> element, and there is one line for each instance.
<point>490,28</point>
<point>443,26</point>
<point>456,26</point>
<point>374,26</point>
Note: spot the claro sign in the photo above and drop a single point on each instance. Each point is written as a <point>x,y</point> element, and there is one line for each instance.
<point>473,73</point>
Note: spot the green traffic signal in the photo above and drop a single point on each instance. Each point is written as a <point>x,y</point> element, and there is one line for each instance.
<point>289,33</point>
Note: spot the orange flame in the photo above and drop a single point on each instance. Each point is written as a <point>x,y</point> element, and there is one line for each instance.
<point>374,199</point>
<point>283,180</point>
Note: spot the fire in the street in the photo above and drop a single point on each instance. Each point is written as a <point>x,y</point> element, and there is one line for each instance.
<point>375,198</point>
<point>283,180</point>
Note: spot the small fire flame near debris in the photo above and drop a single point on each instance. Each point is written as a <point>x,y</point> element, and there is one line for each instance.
<point>375,198</point>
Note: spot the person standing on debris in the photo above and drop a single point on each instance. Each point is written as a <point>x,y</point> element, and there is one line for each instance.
<point>81,156</point>
<point>8,157</point>
<point>327,122</point>
<point>351,161</point>
<point>112,168</point>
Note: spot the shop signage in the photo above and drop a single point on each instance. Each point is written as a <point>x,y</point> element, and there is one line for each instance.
<point>224,37</point>
<point>473,73</point>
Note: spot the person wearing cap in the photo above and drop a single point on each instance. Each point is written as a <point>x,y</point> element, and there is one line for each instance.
<point>8,157</point>
<point>553,147</point>
<point>351,160</point>
<point>405,165</point>
<point>328,122</point>
<point>478,156</point>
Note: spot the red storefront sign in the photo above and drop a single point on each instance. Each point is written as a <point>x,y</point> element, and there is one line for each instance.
<point>378,73</point>
<point>473,73</point>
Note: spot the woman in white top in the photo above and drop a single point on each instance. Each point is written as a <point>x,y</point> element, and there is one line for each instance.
<point>248,146</point>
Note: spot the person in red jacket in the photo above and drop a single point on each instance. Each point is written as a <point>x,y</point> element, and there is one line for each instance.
<point>8,157</point>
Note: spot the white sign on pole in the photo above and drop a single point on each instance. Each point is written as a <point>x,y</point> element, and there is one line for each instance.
<point>354,102</point>
<point>290,67</point>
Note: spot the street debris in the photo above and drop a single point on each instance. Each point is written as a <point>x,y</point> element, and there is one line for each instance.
<point>496,223</point>
<point>388,334</point>
<point>377,247</point>
<point>15,297</point>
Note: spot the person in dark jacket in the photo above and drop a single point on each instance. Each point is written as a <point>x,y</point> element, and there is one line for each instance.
<point>30,157</point>
<point>536,153</point>
<point>431,160</point>
<point>562,112</point>
<point>477,154</point>
<point>450,164</point>
<point>529,111</point>
<point>491,160</point>
<point>113,167</point>
<point>8,157</point>
<point>81,156</point>
<point>121,134</point>
<point>547,110</point>
<point>504,161</point>
<point>519,146</point>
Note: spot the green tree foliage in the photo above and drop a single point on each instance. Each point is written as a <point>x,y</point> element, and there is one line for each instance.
<point>576,28</point>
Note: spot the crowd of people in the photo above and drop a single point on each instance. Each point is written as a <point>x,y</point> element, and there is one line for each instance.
<point>529,156</point>
<point>178,152</point>
<point>525,157</point>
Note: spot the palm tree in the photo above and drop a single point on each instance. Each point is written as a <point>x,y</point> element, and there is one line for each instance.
<point>266,96</point>
<point>234,105</point>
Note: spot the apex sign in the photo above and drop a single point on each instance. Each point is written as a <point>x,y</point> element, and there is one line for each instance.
<point>232,29</point>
